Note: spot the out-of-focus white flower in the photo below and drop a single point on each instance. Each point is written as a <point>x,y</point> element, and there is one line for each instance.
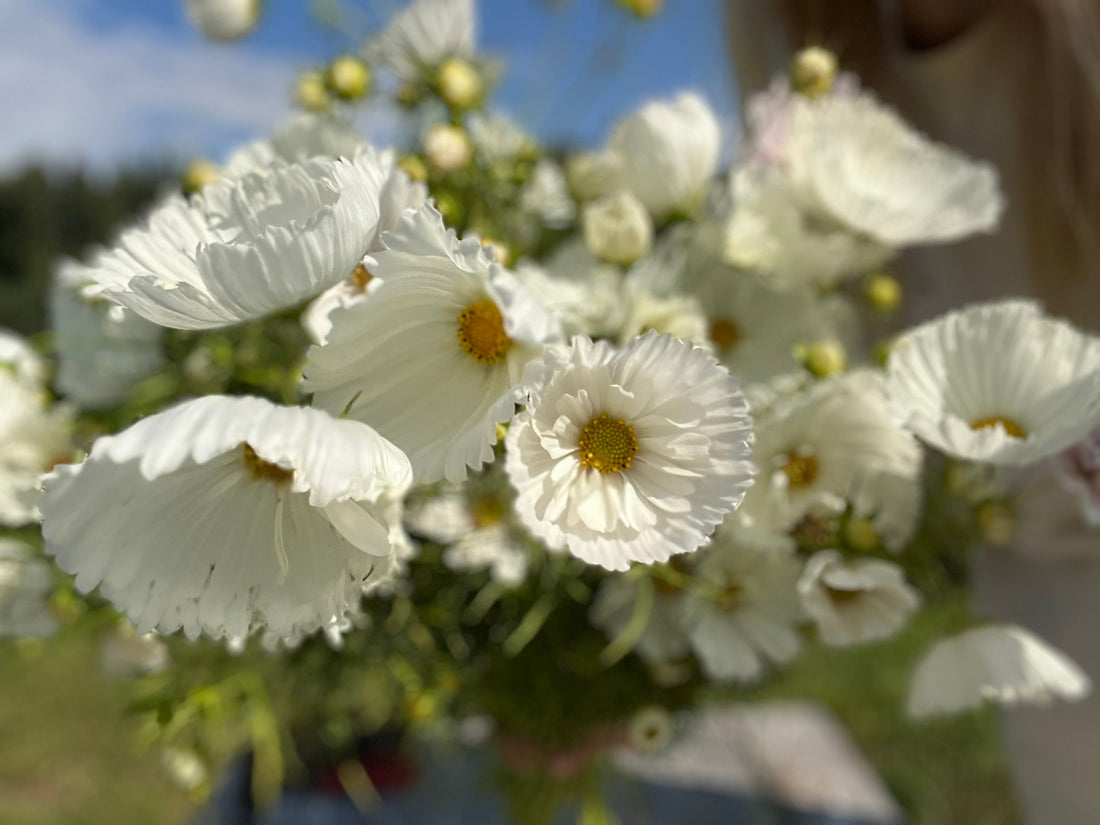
<point>237,514</point>
<point>855,601</point>
<point>750,617</point>
<point>422,35</point>
<point>855,162</point>
<point>592,174</point>
<point>755,328</point>
<point>833,444</point>
<point>446,323</point>
<point>1004,664</point>
<point>651,729</point>
<point>770,232</point>
<point>583,292</point>
<point>1079,469</point>
<point>496,137</point>
<point>247,247</point>
<point>126,653</point>
<point>667,152</point>
<point>25,588</point>
<point>400,192</point>
<point>629,455</point>
<point>617,228</point>
<point>546,195</point>
<point>102,348</point>
<point>303,137</point>
<point>662,639</point>
<point>18,357</point>
<point>33,436</point>
<point>997,382</point>
<point>224,20</point>
<point>446,147</point>
<point>678,315</point>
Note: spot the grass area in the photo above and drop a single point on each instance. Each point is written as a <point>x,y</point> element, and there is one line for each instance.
<point>71,754</point>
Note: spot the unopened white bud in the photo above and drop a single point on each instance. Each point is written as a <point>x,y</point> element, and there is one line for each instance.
<point>617,228</point>
<point>447,147</point>
<point>459,83</point>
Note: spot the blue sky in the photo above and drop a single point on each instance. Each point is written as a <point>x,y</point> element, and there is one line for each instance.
<point>104,83</point>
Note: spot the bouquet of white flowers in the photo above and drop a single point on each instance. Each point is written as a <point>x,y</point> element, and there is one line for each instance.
<point>560,442</point>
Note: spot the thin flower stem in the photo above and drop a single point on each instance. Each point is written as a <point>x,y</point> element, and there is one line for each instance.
<point>639,621</point>
<point>529,626</point>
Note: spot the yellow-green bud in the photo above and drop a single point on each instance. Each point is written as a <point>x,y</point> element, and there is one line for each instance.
<point>197,175</point>
<point>459,83</point>
<point>642,8</point>
<point>348,77</point>
<point>883,292</point>
<point>996,523</point>
<point>414,167</point>
<point>861,535</point>
<point>813,71</point>
<point>823,358</point>
<point>311,93</point>
<point>409,95</point>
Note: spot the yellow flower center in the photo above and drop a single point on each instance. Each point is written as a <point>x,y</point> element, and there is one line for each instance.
<point>360,277</point>
<point>607,444</point>
<point>1011,427</point>
<point>261,470</point>
<point>481,332</point>
<point>801,470</point>
<point>724,334</point>
<point>486,512</point>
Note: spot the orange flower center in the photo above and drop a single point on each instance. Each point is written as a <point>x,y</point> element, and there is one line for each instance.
<point>1011,427</point>
<point>724,334</point>
<point>481,332</point>
<point>261,470</point>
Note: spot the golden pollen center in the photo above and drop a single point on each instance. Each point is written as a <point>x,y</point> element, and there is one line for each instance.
<point>360,277</point>
<point>724,334</point>
<point>261,470</point>
<point>481,333</point>
<point>487,512</point>
<point>801,470</point>
<point>607,444</point>
<point>1011,427</point>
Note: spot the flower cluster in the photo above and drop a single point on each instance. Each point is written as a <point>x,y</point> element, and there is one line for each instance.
<point>624,385</point>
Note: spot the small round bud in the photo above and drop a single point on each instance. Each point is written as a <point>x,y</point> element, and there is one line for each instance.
<point>348,77</point>
<point>651,729</point>
<point>823,358</point>
<point>224,20</point>
<point>459,84</point>
<point>860,534</point>
<point>447,148</point>
<point>642,8</point>
<point>996,523</point>
<point>311,94</point>
<point>414,167</point>
<point>198,174</point>
<point>409,95</point>
<point>617,228</point>
<point>813,71</point>
<point>883,292</point>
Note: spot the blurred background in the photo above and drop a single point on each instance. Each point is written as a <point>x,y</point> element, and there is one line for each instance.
<point>105,102</point>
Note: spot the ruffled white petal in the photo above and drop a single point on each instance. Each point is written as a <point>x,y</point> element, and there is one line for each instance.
<point>1004,664</point>
<point>424,34</point>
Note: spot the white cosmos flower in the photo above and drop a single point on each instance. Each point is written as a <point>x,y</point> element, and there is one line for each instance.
<point>855,601</point>
<point>433,358</point>
<point>833,444</point>
<point>771,232</point>
<point>750,618</point>
<point>678,315</point>
<point>856,162</point>
<point>1004,664</point>
<point>245,248</point>
<point>667,152</point>
<point>754,328</point>
<point>33,436</point>
<point>546,195</point>
<point>103,349</point>
<point>584,293</point>
<point>25,588</point>
<point>424,34</point>
<point>496,138</point>
<point>592,174</point>
<point>629,455</point>
<point>19,358</point>
<point>998,382</point>
<point>307,135</point>
<point>229,514</point>
<point>224,20</point>
<point>662,640</point>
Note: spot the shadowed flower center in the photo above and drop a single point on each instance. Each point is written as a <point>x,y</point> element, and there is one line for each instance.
<point>801,469</point>
<point>1011,427</point>
<point>729,597</point>
<point>487,512</point>
<point>261,470</point>
<point>481,332</point>
<point>841,595</point>
<point>724,334</point>
<point>607,444</point>
<point>360,277</point>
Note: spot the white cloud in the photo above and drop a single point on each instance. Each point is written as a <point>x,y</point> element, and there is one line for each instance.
<point>100,99</point>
